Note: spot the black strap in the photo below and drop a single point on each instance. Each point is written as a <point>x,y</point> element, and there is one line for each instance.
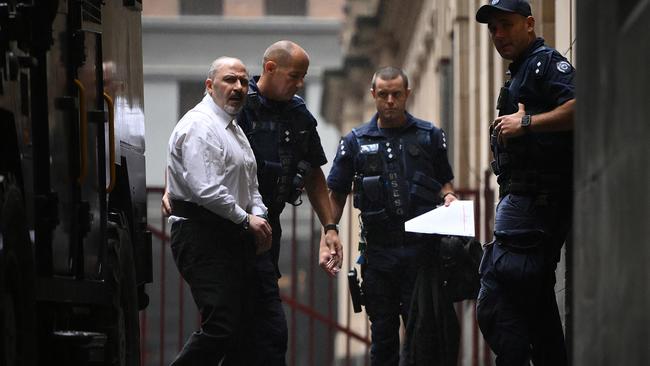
<point>192,211</point>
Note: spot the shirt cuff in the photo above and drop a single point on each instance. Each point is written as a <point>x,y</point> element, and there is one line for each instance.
<point>240,215</point>
<point>257,210</point>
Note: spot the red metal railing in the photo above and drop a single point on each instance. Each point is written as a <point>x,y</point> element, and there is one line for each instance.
<point>159,354</point>
<point>171,324</point>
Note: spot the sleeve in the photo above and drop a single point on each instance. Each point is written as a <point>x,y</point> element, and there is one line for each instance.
<point>256,206</point>
<point>203,157</point>
<point>442,168</point>
<point>342,171</point>
<point>315,154</point>
<point>558,80</point>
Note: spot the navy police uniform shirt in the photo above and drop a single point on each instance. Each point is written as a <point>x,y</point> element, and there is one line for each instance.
<point>343,169</point>
<point>265,141</point>
<point>544,83</point>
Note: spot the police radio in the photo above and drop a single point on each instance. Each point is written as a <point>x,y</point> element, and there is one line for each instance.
<point>298,183</point>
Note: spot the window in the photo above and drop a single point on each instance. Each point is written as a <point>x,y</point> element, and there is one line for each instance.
<point>285,7</point>
<point>201,7</point>
<point>190,93</point>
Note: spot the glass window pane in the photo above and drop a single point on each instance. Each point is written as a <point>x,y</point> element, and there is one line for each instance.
<point>286,7</point>
<point>201,7</point>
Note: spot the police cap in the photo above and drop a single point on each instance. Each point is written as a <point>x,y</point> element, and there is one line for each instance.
<point>511,6</point>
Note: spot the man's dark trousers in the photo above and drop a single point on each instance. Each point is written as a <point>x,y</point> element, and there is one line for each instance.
<point>388,282</point>
<point>215,260</point>
<point>516,307</point>
<point>265,323</point>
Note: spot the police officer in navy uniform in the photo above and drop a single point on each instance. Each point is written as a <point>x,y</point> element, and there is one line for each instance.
<point>397,167</point>
<point>289,156</point>
<point>531,141</point>
<point>288,151</point>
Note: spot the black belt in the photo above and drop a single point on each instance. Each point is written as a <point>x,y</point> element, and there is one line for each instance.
<point>192,211</point>
<point>533,182</point>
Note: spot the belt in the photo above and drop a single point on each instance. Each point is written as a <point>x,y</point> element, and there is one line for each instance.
<point>192,211</point>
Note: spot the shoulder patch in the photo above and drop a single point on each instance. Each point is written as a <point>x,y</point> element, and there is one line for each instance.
<point>563,67</point>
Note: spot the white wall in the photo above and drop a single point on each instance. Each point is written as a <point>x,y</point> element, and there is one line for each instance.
<point>161,115</point>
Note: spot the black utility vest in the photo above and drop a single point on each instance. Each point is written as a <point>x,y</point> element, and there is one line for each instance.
<point>394,176</point>
<point>535,163</point>
<point>282,132</point>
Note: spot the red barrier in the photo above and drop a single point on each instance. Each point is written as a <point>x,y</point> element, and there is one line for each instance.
<point>480,354</point>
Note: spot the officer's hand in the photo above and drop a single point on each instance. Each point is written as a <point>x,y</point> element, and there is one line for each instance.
<point>449,198</point>
<point>509,125</point>
<point>165,204</point>
<point>330,256</point>
<point>262,232</point>
<point>333,242</point>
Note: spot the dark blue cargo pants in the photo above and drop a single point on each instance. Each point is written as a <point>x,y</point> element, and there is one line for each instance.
<point>516,307</point>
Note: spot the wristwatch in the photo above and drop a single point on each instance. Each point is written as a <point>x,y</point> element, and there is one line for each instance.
<point>525,121</point>
<point>246,223</point>
<point>329,227</point>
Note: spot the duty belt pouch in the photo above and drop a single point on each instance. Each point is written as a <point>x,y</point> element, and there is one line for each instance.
<point>427,182</point>
<point>272,168</point>
<point>372,188</point>
<point>519,261</point>
<point>425,187</point>
<point>374,218</point>
<point>423,193</point>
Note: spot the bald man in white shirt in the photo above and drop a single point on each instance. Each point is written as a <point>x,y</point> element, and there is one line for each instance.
<point>218,217</point>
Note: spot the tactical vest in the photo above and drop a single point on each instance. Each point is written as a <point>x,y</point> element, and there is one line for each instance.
<point>280,181</point>
<point>394,177</point>
<point>534,163</point>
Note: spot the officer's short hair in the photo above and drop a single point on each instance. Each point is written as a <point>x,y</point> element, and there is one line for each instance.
<point>389,73</point>
<point>280,52</point>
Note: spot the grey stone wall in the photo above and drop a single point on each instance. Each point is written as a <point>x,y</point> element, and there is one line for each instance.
<point>611,249</point>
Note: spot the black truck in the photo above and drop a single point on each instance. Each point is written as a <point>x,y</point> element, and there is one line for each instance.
<point>75,253</point>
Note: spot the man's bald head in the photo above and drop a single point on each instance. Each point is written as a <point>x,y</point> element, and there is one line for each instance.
<point>283,71</point>
<point>284,52</point>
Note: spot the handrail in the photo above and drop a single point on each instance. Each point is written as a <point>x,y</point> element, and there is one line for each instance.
<point>111,141</point>
<point>83,132</point>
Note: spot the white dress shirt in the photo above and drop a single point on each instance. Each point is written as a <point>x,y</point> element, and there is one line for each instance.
<point>210,162</point>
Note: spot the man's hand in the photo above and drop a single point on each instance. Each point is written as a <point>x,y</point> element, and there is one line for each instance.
<point>262,232</point>
<point>509,125</point>
<point>165,204</point>
<point>449,198</point>
<point>330,256</point>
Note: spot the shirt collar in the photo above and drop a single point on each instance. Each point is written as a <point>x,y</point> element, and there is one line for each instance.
<point>374,130</point>
<point>514,66</point>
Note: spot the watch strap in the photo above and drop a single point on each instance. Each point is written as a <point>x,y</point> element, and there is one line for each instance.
<point>328,227</point>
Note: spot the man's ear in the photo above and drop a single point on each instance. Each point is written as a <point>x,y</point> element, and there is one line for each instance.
<point>407,93</point>
<point>530,24</point>
<point>270,66</point>
<point>372,92</point>
<point>208,85</point>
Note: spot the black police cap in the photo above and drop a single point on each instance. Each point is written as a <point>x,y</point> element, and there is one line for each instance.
<point>511,6</point>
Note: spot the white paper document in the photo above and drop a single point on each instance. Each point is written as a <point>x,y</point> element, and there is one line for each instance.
<point>457,219</point>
